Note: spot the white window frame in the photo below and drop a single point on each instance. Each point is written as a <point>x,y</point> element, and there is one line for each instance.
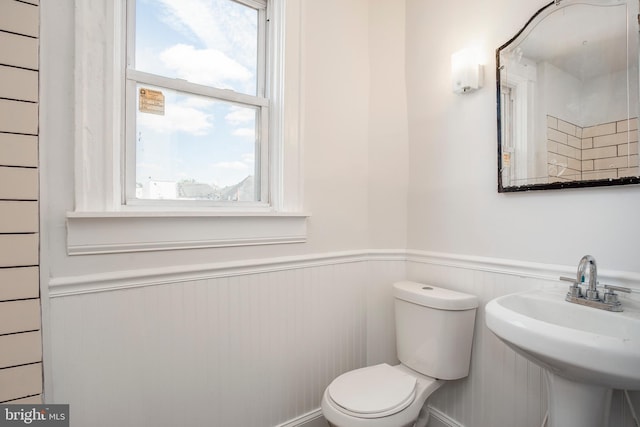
<point>101,222</point>
<point>260,101</point>
<point>520,81</point>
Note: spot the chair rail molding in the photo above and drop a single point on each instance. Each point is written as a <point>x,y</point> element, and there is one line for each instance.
<point>114,280</point>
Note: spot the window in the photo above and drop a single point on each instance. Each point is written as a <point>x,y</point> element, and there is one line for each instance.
<point>124,142</point>
<point>196,101</point>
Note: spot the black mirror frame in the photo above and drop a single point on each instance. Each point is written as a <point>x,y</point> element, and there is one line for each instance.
<point>548,186</point>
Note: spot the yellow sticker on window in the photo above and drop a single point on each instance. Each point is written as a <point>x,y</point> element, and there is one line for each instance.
<point>151,101</point>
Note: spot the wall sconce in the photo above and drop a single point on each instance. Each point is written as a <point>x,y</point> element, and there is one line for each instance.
<point>466,70</point>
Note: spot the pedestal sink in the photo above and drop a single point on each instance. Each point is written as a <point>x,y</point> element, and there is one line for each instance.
<point>585,352</point>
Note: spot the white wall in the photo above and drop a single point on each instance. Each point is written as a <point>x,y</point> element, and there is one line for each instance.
<point>340,165</point>
<point>602,95</point>
<point>388,127</point>
<point>453,204</point>
<point>456,213</point>
<point>150,332</point>
<point>560,93</point>
<point>392,159</point>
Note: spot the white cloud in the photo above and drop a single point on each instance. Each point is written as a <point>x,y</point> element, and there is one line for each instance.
<point>240,115</point>
<point>218,24</point>
<point>249,158</point>
<point>245,132</point>
<point>177,118</point>
<point>232,172</point>
<point>204,66</point>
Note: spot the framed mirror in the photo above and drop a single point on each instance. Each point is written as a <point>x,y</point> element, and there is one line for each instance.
<point>568,96</point>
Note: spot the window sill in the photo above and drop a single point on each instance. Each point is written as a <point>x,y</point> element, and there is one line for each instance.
<point>90,233</point>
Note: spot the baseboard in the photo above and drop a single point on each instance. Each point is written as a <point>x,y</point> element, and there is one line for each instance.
<point>438,418</point>
<point>310,419</point>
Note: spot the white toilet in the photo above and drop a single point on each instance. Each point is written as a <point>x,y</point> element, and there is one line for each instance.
<point>434,332</point>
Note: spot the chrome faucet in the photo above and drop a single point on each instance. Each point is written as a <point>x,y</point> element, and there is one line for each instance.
<point>609,301</point>
<point>590,262</point>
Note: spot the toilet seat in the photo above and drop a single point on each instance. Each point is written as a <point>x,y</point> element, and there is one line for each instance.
<point>373,392</point>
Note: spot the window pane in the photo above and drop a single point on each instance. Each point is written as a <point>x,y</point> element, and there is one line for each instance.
<point>194,148</point>
<point>209,42</point>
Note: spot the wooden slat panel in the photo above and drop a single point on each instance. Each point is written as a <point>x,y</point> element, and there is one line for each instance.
<point>20,376</point>
<point>18,183</point>
<point>31,400</point>
<point>18,216</point>
<point>18,17</point>
<point>18,250</point>
<point>19,316</point>
<point>20,381</point>
<point>18,117</point>
<point>19,283</point>
<point>20,349</point>
<point>18,150</point>
<point>18,83</point>
<point>18,51</point>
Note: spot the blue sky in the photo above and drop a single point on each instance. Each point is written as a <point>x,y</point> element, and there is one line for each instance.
<point>211,42</point>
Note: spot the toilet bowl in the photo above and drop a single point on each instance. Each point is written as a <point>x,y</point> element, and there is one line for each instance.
<point>377,396</point>
<point>434,333</point>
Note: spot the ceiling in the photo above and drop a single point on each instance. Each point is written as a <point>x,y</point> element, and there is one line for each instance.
<point>583,40</point>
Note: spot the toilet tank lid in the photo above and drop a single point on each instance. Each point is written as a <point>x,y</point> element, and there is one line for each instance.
<point>433,296</point>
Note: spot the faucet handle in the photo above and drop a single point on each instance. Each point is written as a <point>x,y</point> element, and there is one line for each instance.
<point>611,297</point>
<point>574,289</point>
<point>612,288</point>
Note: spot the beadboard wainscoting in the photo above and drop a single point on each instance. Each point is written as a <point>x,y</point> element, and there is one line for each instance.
<point>256,343</point>
<point>502,389</point>
<point>232,346</point>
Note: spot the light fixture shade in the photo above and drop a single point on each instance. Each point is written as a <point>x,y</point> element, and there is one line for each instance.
<point>466,71</point>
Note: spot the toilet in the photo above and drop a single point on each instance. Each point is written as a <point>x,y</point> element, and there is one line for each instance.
<point>434,332</point>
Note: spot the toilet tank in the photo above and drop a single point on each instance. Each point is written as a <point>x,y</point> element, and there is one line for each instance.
<point>434,329</point>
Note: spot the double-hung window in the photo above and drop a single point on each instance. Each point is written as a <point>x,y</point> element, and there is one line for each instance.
<point>197,107</point>
<point>185,134</point>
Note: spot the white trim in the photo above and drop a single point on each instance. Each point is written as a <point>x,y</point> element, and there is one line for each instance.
<point>99,147</point>
<point>443,418</point>
<point>310,419</point>
<point>533,270</point>
<point>256,4</point>
<point>184,86</point>
<point>99,77</point>
<point>99,133</point>
<point>104,282</point>
<point>138,79</point>
<point>493,265</point>
<point>287,120</point>
<point>137,213</point>
<point>142,232</point>
<point>114,248</point>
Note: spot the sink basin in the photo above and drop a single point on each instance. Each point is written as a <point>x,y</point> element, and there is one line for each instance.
<point>580,343</point>
<point>585,351</point>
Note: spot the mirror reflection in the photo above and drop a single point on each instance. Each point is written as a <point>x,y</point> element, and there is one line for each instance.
<point>567,87</point>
